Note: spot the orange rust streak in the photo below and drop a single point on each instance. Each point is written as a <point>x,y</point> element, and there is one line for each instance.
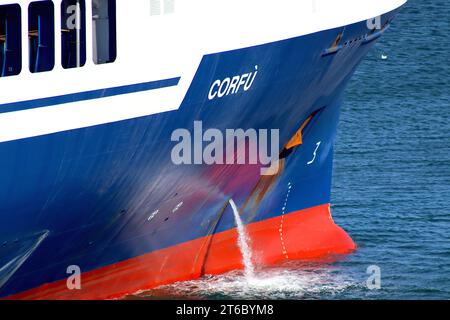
<point>297,139</point>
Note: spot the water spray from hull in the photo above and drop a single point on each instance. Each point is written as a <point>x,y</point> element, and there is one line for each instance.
<point>243,242</point>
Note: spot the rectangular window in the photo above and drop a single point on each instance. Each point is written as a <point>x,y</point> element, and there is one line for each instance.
<point>41,34</point>
<point>104,31</point>
<point>10,40</point>
<point>73,33</point>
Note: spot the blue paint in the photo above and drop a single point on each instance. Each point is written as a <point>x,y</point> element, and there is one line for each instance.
<point>88,95</point>
<point>94,188</point>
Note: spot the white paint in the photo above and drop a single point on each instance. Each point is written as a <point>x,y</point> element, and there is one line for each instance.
<point>232,85</point>
<point>281,230</point>
<point>41,121</point>
<point>161,47</point>
<point>178,206</point>
<point>315,153</point>
<point>153,215</point>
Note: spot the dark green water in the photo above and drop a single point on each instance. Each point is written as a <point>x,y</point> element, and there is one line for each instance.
<point>391,188</point>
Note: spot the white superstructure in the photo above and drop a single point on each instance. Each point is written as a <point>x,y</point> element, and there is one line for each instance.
<point>160,39</point>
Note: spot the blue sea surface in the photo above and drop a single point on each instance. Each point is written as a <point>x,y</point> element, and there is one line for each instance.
<point>391,187</point>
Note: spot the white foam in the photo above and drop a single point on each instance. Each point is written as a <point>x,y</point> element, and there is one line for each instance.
<point>284,282</point>
<point>243,242</point>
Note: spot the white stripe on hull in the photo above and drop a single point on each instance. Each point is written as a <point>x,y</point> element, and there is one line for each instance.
<point>154,47</point>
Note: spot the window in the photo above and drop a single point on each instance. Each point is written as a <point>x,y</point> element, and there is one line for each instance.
<point>73,33</point>
<point>41,34</point>
<point>10,40</point>
<point>104,31</point>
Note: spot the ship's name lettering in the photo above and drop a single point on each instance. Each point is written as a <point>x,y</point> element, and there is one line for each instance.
<point>232,85</point>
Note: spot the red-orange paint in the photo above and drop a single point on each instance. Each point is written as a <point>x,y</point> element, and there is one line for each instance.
<point>307,234</point>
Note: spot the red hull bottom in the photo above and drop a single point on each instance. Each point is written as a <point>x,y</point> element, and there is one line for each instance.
<point>306,234</point>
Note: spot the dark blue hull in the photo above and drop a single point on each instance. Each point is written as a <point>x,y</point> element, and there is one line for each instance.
<point>84,197</point>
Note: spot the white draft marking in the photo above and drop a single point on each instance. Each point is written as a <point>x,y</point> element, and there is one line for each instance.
<point>150,218</point>
<point>315,153</point>
<point>283,245</point>
<point>177,207</point>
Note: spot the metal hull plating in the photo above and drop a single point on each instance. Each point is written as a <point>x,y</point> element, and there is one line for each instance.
<point>107,194</point>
